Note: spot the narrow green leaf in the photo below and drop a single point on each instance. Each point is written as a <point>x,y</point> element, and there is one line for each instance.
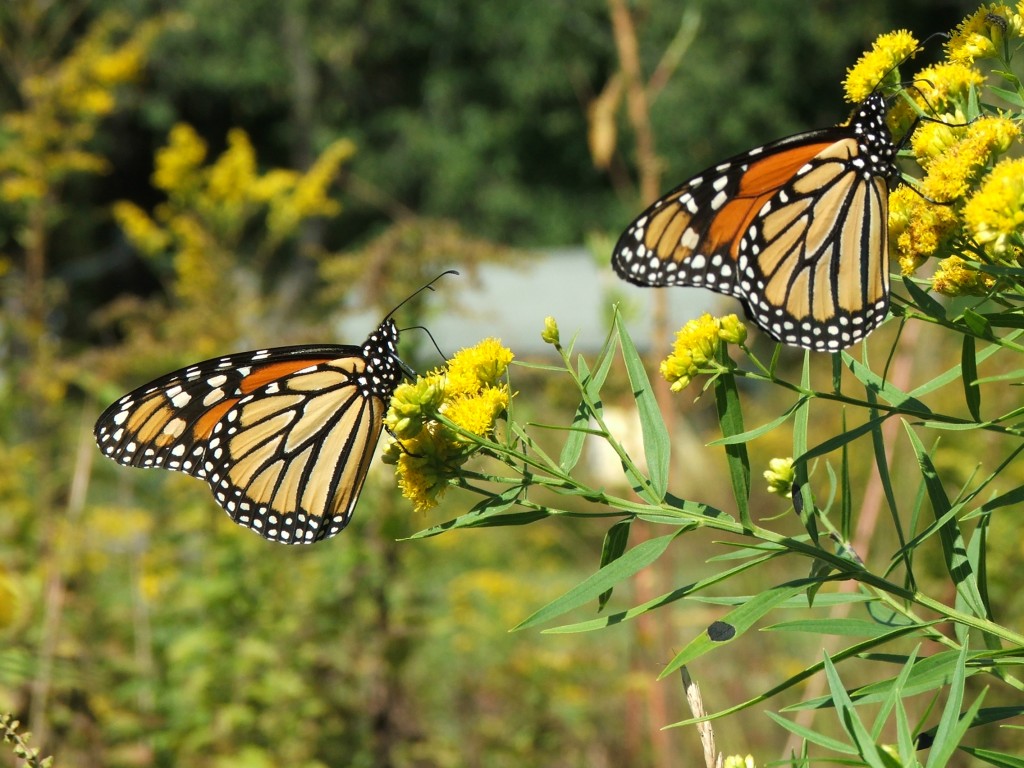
<point>850,720</point>
<point>592,587</point>
<point>953,548</point>
<point>842,439</point>
<point>490,520</point>
<point>886,389</point>
<point>838,627</point>
<point>1010,97</point>
<point>826,742</point>
<point>923,300</point>
<point>688,592</point>
<point>978,324</point>
<point>746,437</point>
<point>948,734</point>
<point>740,619</point>
<point>615,541</point>
<point>1005,319</point>
<point>803,501</point>
<point>573,447</point>
<point>998,759</point>
<point>730,420</point>
<point>657,445</point>
<point>969,366</point>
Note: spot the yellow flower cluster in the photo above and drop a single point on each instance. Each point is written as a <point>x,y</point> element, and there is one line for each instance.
<point>918,229</point>
<point>952,172</point>
<point>955,277</point>
<point>470,392</point>
<point>697,344</point>
<point>879,65</point>
<point>995,214</point>
<point>968,206</point>
<point>64,104</point>
<point>210,206</point>
<point>985,33</point>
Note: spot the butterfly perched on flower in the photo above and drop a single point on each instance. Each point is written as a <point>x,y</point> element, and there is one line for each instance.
<point>284,437</point>
<point>795,229</point>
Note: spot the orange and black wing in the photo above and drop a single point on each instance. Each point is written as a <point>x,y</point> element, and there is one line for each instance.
<point>284,436</point>
<point>795,229</point>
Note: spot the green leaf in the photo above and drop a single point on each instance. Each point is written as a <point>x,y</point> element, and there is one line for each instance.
<point>999,759</point>
<point>730,420</point>
<point>978,324</point>
<point>886,389</point>
<point>1010,97</point>
<point>838,627</point>
<point>826,742</point>
<point>923,300</point>
<point>615,541</point>
<point>592,587</point>
<point>850,720</point>
<point>740,619</point>
<point>842,439</point>
<point>954,551</point>
<point>657,445</point>
<point>951,728</point>
<point>689,592</point>
<point>969,366</point>
<point>573,447</point>
<point>746,437</point>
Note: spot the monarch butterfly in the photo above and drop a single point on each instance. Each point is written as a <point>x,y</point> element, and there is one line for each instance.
<point>283,436</point>
<point>795,229</point>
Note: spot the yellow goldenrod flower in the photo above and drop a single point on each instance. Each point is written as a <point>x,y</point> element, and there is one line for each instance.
<point>695,347</point>
<point>879,64</point>
<point>931,139</point>
<point>995,213</point>
<point>550,333</point>
<point>732,330</point>
<point>951,174</point>
<point>918,229</point>
<point>780,476</point>
<point>939,89</point>
<point>413,404</point>
<point>141,231</point>
<point>739,761</point>
<point>483,364</point>
<point>477,413</point>
<point>955,277</point>
<point>468,393</point>
<point>275,183</point>
<point>984,33</point>
<point>232,175</point>
<point>176,163</point>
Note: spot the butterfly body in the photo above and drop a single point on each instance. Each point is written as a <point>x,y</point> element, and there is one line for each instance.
<point>283,436</point>
<point>795,229</point>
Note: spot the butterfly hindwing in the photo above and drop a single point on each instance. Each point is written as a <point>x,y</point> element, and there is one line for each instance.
<point>289,460</point>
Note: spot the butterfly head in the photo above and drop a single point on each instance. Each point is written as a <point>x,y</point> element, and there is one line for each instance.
<point>384,369</point>
<point>877,150</point>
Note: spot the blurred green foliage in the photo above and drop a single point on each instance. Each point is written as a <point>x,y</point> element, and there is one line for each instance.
<point>140,627</point>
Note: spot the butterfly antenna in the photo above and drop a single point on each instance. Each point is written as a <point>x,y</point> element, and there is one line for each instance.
<point>920,48</point>
<point>428,287</point>
<point>429,336</point>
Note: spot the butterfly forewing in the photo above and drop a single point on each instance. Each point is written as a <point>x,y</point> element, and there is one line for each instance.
<point>283,436</point>
<point>795,229</point>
